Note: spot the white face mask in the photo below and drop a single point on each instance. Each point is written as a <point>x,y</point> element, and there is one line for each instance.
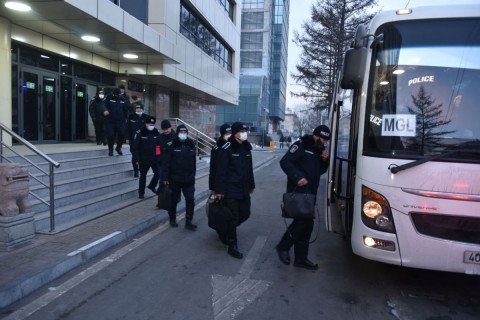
<point>227,136</point>
<point>101,96</point>
<point>139,113</point>
<point>182,136</point>
<point>243,136</point>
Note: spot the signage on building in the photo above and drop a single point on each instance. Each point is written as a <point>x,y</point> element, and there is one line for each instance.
<point>30,85</point>
<point>48,88</point>
<point>80,94</point>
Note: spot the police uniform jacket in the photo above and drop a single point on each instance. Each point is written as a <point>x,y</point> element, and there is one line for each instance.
<point>166,142</point>
<point>234,173</point>
<point>95,108</point>
<point>303,160</point>
<point>144,146</point>
<point>135,123</point>
<point>213,162</point>
<point>117,109</point>
<point>179,163</point>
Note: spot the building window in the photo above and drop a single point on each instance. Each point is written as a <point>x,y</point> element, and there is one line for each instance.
<point>252,40</point>
<point>253,4</point>
<point>252,20</point>
<point>192,27</point>
<point>228,6</point>
<point>249,59</point>
<point>137,8</point>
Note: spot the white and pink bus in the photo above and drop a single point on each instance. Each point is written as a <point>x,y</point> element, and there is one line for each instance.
<point>404,178</point>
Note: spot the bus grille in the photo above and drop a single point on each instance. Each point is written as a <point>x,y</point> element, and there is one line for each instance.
<point>462,229</point>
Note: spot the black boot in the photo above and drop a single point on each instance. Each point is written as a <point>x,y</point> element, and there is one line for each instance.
<point>233,250</point>
<point>190,226</point>
<point>188,219</point>
<point>173,221</point>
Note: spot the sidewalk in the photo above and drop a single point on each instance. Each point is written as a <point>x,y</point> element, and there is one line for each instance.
<point>27,269</point>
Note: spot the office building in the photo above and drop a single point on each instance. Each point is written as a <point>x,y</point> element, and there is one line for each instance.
<point>181,57</point>
<point>263,66</point>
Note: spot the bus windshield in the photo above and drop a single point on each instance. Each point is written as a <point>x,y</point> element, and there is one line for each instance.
<point>424,90</point>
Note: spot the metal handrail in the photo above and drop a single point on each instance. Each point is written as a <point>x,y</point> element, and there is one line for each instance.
<point>51,164</point>
<point>204,143</point>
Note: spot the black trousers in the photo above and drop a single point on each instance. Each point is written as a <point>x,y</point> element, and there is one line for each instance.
<point>298,234</point>
<point>188,190</point>
<point>143,177</point>
<point>134,165</point>
<point>115,130</point>
<point>240,209</point>
<point>99,125</point>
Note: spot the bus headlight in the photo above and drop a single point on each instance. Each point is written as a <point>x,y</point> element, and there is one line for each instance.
<point>376,212</point>
<point>372,209</point>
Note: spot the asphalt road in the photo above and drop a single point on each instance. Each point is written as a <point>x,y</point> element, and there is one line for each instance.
<point>178,274</point>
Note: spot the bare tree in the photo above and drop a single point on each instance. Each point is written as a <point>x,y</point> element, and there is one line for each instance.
<point>305,122</point>
<point>324,40</point>
<point>429,122</point>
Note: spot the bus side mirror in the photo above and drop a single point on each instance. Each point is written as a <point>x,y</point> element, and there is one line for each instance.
<point>354,68</point>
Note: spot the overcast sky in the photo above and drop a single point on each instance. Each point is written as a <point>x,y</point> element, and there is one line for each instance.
<point>300,13</point>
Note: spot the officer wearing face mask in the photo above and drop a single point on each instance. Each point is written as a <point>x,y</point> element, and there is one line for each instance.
<point>225,133</point>
<point>145,152</point>
<point>95,108</point>
<point>234,182</point>
<point>305,161</point>
<point>135,122</point>
<point>179,166</point>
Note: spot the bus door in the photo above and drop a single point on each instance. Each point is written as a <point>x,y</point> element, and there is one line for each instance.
<point>341,175</point>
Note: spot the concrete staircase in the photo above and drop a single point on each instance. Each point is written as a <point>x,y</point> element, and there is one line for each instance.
<point>88,184</point>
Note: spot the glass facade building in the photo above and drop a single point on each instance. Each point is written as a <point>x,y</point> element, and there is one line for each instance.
<point>263,66</point>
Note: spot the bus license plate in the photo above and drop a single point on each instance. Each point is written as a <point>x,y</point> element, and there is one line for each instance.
<point>471,257</point>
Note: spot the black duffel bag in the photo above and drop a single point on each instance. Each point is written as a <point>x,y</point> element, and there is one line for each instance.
<point>298,205</point>
<point>164,197</point>
<point>219,216</point>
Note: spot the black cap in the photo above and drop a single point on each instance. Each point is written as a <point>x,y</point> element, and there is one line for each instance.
<point>238,126</point>
<point>139,105</point>
<point>121,86</point>
<point>165,124</point>
<point>224,128</point>
<point>116,91</point>
<point>150,119</point>
<point>101,90</point>
<point>322,132</point>
<point>182,127</point>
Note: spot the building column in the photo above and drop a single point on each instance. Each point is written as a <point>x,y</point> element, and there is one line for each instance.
<point>6,76</point>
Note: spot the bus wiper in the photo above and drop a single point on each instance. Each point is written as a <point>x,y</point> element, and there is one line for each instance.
<point>427,159</point>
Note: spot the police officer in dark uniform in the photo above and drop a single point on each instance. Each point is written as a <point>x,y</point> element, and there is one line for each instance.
<point>135,122</point>
<point>95,108</point>
<point>126,98</point>
<point>116,112</point>
<point>166,138</point>
<point>178,170</point>
<point>145,152</point>
<point>225,133</point>
<point>234,181</point>
<point>303,163</point>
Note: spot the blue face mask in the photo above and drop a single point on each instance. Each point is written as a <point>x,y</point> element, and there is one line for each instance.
<point>139,113</point>
<point>150,128</point>
<point>182,136</point>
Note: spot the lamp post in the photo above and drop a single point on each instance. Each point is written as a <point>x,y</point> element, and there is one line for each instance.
<point>265,111</point>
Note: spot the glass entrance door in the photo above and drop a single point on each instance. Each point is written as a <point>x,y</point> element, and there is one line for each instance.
<point>81,112</point>
<point>39,106</point>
